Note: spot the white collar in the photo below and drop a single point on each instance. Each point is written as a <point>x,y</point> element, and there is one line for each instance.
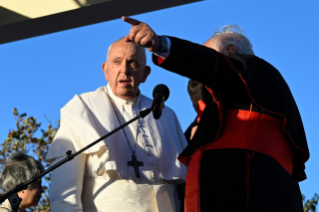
<point>119,100</point>
<point>6,204</point>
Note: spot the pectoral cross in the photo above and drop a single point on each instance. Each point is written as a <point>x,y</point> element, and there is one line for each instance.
<point>135,165</point>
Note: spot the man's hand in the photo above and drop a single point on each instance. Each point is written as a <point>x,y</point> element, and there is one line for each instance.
<point>142,35</point>
<point>194,129</point>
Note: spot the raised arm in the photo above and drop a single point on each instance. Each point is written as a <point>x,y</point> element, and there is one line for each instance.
<point>205,65</point>
<point>194,61</point>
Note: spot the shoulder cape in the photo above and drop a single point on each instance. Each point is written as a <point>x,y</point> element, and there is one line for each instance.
<point>89,116</point>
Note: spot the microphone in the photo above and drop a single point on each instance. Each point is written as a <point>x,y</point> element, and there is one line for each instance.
<point>160,95</point>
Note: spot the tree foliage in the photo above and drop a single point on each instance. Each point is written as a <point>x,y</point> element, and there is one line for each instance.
<point>310,205</point>
<point>29,137</point>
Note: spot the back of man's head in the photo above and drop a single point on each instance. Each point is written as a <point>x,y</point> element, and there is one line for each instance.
<point>232,34</point>
<point>17,169</point>
<point>197,92</point>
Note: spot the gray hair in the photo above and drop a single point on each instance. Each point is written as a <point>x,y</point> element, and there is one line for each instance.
<point>122,38</point>
<point>17,169</point>
<point>233,34</point>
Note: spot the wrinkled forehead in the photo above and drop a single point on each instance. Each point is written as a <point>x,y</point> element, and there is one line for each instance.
<point>123,49</point>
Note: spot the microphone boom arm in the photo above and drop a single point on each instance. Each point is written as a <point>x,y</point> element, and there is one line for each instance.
<point>12,194</point>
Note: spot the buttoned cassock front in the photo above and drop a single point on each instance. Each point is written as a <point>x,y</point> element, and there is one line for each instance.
<point>99,179</point>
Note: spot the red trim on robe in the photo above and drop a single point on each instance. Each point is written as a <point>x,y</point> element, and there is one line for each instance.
<point>160,60</point>
<point>200,109</point>
<point>186,160</point>
<point>191,203</point>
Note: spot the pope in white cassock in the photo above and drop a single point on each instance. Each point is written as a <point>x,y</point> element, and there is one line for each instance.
<point>101,179</point>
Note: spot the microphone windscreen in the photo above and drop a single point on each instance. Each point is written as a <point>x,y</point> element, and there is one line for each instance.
<point>161,89</point>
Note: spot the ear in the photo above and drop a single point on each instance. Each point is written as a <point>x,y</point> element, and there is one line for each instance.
<point>104,68</point>
<point>231,49</point>
<point>147,71</point>
<point>21,194</point>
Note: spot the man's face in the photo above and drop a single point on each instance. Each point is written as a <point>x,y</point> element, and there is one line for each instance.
<point>31,197</point>
<point>125,69</point>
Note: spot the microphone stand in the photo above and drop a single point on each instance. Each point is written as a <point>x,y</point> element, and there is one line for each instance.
<point>13,196</point>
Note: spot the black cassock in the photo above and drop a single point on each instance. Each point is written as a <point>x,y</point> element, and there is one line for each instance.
<point>221,182</point>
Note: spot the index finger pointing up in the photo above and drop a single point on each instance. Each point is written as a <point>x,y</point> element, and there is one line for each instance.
<point>131,21</point>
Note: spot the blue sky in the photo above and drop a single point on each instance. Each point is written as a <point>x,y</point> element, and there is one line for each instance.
<point>41,74</point>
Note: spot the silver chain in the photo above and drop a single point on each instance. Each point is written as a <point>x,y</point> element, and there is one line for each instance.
<point>118,119</point>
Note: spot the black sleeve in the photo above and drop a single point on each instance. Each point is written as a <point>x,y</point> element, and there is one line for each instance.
<point>242,79</point>
<point>207,66</point>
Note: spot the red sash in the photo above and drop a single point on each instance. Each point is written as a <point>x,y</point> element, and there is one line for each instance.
<point>242,130</point>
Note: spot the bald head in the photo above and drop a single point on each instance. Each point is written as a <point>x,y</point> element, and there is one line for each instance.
<point>229,40</point>
<point>141,51</point>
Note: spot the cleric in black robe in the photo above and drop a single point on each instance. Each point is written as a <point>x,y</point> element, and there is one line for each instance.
<point>249,150</point>
<point>199,97</point>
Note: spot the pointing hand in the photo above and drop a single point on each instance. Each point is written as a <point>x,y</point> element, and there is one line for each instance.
<point>142,35</point>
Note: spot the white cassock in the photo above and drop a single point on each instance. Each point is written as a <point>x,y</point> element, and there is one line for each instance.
<point>99,179</point>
